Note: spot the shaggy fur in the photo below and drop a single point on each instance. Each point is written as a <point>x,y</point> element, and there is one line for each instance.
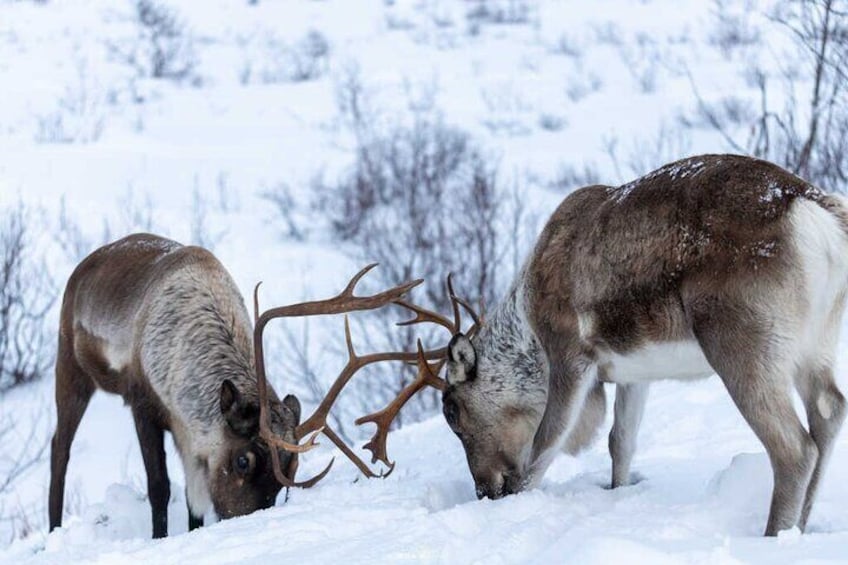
<point>165,327</point>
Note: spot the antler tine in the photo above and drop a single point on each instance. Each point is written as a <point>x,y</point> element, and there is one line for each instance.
<point>351,352</point>
<point>424,315</point>
<point>348,291</point>
<point>256,302</point>
<point>456,302</point>
<point>384,418</point>
<point>457,322</point>
<point>289,482</point>
<point>474,316</point>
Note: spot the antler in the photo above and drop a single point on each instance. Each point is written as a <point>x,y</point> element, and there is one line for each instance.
<point>384,418</point>
<point>426,371</point>
<point>345,302</point>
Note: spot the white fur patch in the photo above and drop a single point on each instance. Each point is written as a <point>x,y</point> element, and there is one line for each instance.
<point>114,339</point>
<point>585,324</point>
<point>197,489</point>
<point>824,406</point>
<point>117,356</point>
<point>668,360</point>
<point>822,247</point>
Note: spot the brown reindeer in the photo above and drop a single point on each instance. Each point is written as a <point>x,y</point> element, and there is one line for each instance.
<point>713,264</point>
<point>164,326</point>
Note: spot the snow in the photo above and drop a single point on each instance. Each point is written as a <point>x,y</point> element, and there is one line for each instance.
<point>702,493</point>
<point>577,81</point>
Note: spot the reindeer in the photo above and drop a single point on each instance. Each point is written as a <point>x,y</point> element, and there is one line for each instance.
<point>164,326</point>
<point>713,264</point>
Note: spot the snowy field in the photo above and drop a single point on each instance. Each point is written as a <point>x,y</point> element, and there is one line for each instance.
<point>567,86</point>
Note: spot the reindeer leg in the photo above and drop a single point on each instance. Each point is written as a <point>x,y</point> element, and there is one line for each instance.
<point>151,437</point>
<point>629,406</point>
<point>74,389</point>
<point>825,407</point>
<point>194,522</point>
<point>739,346</point>
<point>570,385</point>
<point>591,417</point>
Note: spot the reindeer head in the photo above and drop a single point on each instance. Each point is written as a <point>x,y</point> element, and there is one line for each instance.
<point>242,479</point>
<point>494,405</point>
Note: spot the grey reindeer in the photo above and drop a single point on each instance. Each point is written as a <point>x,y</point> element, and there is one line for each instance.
<point>713,264</point>
<point>164,326</point>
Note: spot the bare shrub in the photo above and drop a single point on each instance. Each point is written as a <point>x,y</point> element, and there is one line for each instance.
<point>643,155</point>
<point>27,294</point>
<point>509,111</point>
<point>552,122</point>
<point>582,85</point>
<point>807,134</point>
<point>69,235</point>
<point>569,46</point>
<point>422,199</point>
<point>571,177</point>
<point>733,30</point>
<point>269,59</point>
<point>80,112</point>
<point>285,205</point>
<point>25,441</point>
<point>643,60</point>
<point>386,205</point>
<point>135,212</point>
<point>163,46</point>
<point>498,12</point>
<point>263,59</point>
<point>308,58</point>
<point>608,33</point>
<point>202,233</point>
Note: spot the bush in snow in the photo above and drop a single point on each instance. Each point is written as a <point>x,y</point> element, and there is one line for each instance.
<point>268,59</point>
<point>308,57</point>
<point>497,12</point>
<point>26,296</point>
<point>423,199</point>
<point>163,47</point>
<point>733,30</point>
<point>807,130</point>
<point>80,112</point>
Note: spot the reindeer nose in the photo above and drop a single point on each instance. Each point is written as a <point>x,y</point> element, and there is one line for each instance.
<point>493,489</point>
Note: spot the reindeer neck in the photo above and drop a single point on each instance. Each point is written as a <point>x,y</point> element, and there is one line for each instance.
<point>508,341</point>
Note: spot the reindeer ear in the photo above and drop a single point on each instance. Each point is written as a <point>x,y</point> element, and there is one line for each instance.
<point>242,416</point>
<point>462,360</point>
<point>292,403</point>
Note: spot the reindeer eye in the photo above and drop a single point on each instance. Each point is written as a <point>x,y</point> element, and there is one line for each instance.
<point>243,463</point>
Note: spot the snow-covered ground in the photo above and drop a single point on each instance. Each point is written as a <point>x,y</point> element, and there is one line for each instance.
<point>702,497</point>
<point>563,87</point>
